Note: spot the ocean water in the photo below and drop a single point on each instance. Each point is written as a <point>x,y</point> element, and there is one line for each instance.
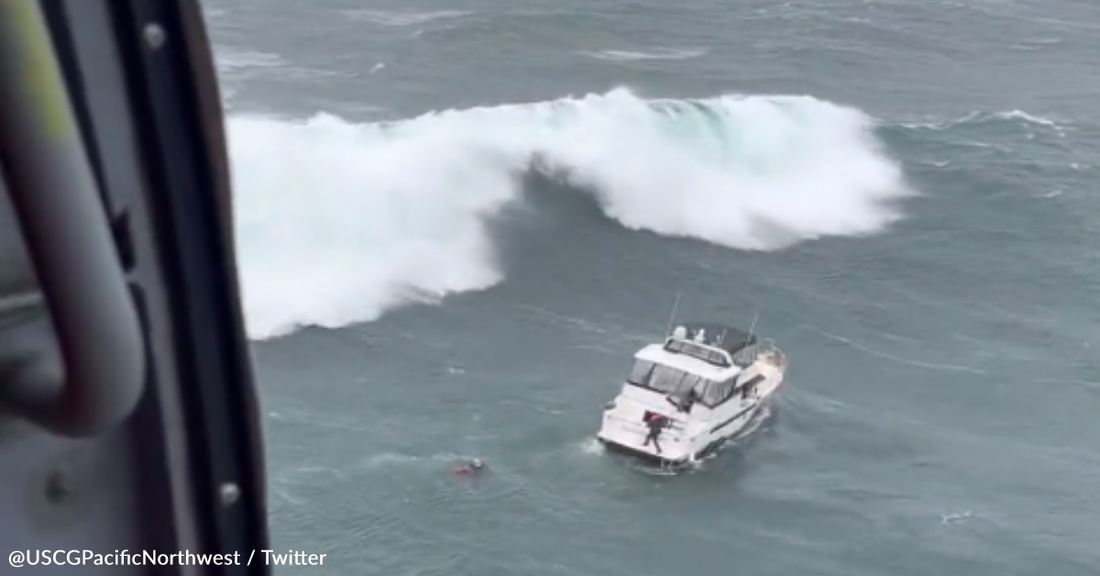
<point>458,220</point>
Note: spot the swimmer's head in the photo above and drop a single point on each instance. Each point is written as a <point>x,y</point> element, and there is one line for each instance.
<point>476,463</point>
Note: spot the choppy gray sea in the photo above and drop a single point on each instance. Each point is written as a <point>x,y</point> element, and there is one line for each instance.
<point>458,220</point>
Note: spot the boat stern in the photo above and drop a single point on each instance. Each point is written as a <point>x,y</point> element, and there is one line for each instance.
<point>625,430</point>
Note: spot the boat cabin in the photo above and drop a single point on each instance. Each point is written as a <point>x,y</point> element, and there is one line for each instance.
<point>698,363</point>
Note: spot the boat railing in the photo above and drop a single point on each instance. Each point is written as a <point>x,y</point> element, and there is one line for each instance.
<point>771,354</point>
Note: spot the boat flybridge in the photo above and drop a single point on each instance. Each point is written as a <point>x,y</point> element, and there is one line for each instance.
<point>686,396</point>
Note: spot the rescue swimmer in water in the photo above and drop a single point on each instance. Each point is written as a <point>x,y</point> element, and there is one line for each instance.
<point>475,466</point>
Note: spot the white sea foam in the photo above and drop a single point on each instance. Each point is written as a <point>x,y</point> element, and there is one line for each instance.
<point>339,222</point>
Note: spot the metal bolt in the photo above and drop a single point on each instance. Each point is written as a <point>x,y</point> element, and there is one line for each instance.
<point>154,35</point>
<point>230,492</point>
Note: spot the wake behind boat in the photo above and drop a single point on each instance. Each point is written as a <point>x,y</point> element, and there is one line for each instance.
<point>686,396</point>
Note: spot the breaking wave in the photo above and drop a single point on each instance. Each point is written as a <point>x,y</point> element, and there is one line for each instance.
<point>339,222</point>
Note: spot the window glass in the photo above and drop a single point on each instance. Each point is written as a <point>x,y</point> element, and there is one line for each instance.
<point>639,374</point>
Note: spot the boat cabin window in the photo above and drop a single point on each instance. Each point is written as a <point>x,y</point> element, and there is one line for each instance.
<point>664,379</point>
<point>718,392</point>
<point>681,385</point>
<point>639,374</point>
<point>704,353</point>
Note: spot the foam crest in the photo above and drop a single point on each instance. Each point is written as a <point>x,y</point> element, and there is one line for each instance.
<point>339,222</point>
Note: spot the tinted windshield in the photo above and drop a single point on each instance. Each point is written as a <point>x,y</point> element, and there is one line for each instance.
<point>664,379</point>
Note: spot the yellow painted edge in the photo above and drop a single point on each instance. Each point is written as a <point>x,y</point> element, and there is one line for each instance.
<point>40,74</point>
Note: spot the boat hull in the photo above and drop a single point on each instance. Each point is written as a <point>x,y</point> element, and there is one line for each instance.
<point>660,460</point>
<point>697,447</point>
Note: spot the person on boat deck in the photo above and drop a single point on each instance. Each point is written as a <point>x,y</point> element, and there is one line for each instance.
<point>657,424</point>
<point>474,466</point>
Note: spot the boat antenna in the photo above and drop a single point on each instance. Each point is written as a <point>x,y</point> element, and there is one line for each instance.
<point>752,327</point>
<point>672,315</point>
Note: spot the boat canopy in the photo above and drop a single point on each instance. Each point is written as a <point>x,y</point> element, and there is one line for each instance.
<point>718,344</point>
